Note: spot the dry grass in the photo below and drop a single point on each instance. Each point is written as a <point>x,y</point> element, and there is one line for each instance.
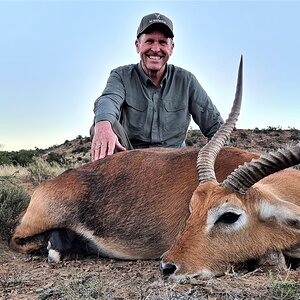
<point>41,170</point>
<point>11,172</point>
<point>35,173</point>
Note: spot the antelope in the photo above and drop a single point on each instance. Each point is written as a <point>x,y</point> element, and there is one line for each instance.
<point>137,204</point>
<point>256,209</point>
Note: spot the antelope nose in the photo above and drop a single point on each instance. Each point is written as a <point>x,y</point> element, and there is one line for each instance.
<point>167,269</point>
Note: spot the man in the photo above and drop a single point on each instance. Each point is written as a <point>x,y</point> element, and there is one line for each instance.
<point>150,104</point>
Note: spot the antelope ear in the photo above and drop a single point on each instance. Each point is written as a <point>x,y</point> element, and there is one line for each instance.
<point>286,213</point>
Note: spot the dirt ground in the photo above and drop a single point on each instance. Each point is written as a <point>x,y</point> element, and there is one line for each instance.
<point>31,277</point>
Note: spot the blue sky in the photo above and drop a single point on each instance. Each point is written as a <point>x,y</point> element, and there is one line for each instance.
<point>55,58</point>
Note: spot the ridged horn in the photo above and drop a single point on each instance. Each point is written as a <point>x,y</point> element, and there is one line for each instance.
<point>207,155</point>
<point>241,179</point>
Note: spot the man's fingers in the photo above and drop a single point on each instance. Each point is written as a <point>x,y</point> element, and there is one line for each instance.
<point>111,148</point>
<point>103,150</point>
<point>99,151</point>
<point>95,151</point>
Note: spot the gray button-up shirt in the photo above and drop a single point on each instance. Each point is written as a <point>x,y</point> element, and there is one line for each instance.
<point>156,116</point>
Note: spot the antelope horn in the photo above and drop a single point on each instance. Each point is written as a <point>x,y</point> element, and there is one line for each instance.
<point>241,179</point>
<point>207,155</point>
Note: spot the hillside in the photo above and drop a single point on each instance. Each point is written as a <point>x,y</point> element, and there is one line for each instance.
<point>257,140</point>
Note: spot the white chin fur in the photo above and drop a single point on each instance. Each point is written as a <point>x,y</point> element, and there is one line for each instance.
<point>53,256</point>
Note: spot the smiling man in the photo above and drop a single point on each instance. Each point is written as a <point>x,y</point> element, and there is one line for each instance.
<point>150,104</point>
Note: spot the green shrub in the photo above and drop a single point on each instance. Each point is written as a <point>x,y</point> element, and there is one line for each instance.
<point>54,157</point>
<point>195,138</point>
<point>13,200</point>
<point>243,135</point>
<point>81,149</point>
<point>21,158</point>
<point>5,158</point>
<point>273,128</point>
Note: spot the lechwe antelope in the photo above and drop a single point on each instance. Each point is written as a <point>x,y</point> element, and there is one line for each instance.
<point>131,205</point>
<point>254,210</point>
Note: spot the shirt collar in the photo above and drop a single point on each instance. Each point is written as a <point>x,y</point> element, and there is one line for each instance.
<point>146,80</point>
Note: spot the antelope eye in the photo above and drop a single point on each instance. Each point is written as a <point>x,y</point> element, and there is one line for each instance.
<point>228,218</point>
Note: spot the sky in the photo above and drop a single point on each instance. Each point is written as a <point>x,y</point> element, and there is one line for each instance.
<point>56,56</point>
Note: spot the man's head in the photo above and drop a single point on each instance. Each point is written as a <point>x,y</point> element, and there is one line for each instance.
<point>156,22</point>
<point>155,44</point>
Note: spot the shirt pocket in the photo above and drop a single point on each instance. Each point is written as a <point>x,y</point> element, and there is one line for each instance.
<point>135,113</point>
<point>176,115</point>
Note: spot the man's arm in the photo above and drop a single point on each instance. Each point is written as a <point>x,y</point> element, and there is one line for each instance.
<point>107,110</point>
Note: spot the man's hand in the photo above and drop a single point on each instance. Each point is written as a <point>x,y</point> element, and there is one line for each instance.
<point>104,141</point>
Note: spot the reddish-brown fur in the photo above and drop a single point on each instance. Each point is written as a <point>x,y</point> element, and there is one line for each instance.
<point>131,205</point>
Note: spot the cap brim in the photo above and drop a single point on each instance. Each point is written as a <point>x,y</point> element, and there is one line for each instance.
<point>158,27</point>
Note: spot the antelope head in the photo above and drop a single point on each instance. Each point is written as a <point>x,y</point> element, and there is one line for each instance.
<point>244,217</point>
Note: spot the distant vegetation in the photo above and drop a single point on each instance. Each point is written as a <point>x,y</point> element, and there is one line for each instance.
<point>21,158</point>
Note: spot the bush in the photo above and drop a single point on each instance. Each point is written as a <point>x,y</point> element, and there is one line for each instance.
<point>54,157</point>
<point>195,138</point>
<point>243,135</point>
<point>5,158</point>
<point>13,200</point>
<point>22,157</point>
<point>81,149</point>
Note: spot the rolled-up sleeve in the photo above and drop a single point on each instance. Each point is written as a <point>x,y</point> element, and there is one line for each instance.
<point>202,109</point>
<point>108,106</point>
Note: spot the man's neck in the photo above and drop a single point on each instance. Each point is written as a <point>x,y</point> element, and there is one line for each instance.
<point>155,76</point>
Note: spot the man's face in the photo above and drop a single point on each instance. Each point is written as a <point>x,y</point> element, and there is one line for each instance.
<point>155,50</point>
